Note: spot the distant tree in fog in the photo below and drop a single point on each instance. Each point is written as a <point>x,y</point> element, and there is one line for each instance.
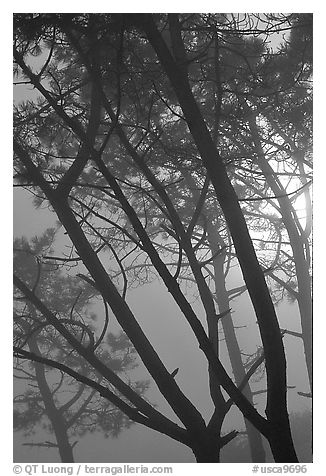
<point>53,400</point>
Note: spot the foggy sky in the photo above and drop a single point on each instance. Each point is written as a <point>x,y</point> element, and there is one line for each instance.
<point>173,339</point>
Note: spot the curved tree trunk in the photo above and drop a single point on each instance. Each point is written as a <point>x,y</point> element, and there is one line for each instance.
<point>276,409</point>
<point>297,242</point>
<point>205,447</point>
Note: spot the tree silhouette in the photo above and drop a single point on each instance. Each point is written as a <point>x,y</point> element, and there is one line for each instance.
<point>49,396</point>
<point>117,90</point>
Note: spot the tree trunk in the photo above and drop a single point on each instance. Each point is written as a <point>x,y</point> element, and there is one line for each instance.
<point>276,408</point>
<point>56,418</point>
<point>216,242</point>
<point>206,451</point>
<point>297,243</point>
<point>254,437</point>
<point>281,444</point>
